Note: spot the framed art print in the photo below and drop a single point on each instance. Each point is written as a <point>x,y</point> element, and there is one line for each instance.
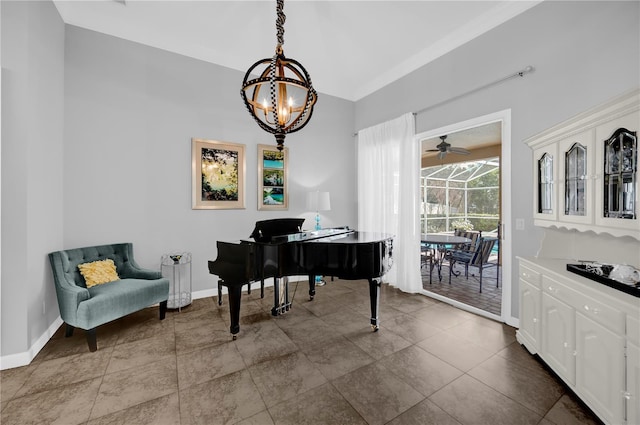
<point>273,191</point>
<point>218,173</point>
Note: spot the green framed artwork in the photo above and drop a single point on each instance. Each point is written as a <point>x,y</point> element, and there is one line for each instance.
<point>273,168</point>
<point>218,174</point>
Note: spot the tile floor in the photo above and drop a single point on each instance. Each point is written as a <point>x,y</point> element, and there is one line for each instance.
<point>318,364</point>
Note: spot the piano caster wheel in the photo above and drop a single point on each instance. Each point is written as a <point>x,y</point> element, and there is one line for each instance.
<point>375,328</point>
<point>234,337</point>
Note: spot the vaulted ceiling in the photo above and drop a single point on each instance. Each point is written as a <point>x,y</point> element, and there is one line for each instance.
<point>350,48</point>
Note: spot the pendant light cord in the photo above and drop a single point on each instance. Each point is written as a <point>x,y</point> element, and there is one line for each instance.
<point>280,25</point>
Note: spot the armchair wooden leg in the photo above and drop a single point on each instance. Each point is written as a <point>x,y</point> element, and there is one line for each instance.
<point>163,309</point>
<point>68,330</point>
<point>91,339</point>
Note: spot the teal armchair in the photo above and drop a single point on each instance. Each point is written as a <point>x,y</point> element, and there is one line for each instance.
<point>88,308</point>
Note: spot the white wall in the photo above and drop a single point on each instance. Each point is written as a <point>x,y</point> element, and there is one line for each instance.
<point>584,53</point>
<point>120,169</point>
<point>130,114</point>
<point>96,148</point>
<point>32,140</point>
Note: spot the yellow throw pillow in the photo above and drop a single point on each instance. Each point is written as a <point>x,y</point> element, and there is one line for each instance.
<point>98,272</point>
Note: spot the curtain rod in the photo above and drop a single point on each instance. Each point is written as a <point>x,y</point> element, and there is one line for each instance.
<point>520,73</point>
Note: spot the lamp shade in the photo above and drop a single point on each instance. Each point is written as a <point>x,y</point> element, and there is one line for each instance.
<point>318,201</point>
<point>324,201</point>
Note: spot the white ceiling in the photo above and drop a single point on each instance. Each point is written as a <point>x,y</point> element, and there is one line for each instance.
<point>350,48</point>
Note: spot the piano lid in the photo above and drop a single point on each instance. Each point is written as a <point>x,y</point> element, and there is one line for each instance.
<point>265,230</point>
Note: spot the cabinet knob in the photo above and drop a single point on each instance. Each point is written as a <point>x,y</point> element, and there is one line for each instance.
<point>593,310</point>
<point>626,395</point>
<point>566,345</point>
<point>535,320</point>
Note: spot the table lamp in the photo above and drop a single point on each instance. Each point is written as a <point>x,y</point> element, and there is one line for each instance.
<point>318,201</point>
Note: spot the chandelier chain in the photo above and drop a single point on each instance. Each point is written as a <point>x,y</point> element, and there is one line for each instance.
<point>280,25</point>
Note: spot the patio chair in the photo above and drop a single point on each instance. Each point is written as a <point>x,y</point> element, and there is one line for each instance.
<point>478,258</point>
<point>464,250</point>
<point>426,258</point>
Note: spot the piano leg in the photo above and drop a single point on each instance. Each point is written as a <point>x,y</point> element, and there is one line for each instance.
<point>374,296</point>
<point>276,296</point>
<point>312,287</point>
<point>235,294</point>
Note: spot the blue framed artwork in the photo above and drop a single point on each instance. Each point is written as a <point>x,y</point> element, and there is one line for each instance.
<point>273,167</point>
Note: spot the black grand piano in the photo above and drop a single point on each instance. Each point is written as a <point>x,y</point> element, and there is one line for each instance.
<point>278,248</point>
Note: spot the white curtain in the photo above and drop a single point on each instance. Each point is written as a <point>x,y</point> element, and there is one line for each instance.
<point>389,193</point>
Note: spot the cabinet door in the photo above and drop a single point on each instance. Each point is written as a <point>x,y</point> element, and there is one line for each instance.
<point>600,369</point>
<point>545,183</point>
<point>558,337</point>
<point>633,384</point>
<point>625,185</point>
<point>576,175</point>
<point>530,316</point>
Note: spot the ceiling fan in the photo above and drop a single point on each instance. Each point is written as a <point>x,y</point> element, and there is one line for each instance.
<point>443,148</point>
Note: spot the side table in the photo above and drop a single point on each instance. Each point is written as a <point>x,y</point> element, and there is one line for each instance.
<point>177,268</point>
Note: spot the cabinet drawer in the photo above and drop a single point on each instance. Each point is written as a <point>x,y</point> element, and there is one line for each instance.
<point>560,291</point>
<point>633,330</point>
<point>530,276</point>
<point>602,313</point>
<point>589,307</point>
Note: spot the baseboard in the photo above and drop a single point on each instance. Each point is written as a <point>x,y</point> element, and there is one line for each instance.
<point>267,283</point>
<point>22,359</point>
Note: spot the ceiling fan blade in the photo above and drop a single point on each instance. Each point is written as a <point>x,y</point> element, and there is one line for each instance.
<point>432,150</point>
<point>460,151</point>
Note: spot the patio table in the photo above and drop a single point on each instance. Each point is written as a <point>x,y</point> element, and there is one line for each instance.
<point>441,242</point>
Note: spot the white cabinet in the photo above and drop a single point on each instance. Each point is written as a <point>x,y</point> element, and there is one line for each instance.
<point>529,316</point>
<point>599,371</point>
<point>545,186</point>
<point>577,178</point>
<point>558,337</point>
<point>632,395</point>
<point>587,333</point>
<point>621,193</point>
<point>585,170</point>
<point>529,332</point>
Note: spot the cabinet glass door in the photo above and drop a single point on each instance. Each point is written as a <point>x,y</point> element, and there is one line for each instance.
<point>545,184</point>
<point>575,180</point>
<point>620,171</point>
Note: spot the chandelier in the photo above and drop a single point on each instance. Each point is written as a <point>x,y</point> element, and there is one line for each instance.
<point>281,98</point>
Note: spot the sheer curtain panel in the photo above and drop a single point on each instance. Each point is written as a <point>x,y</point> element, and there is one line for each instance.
<point>388,194</point>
